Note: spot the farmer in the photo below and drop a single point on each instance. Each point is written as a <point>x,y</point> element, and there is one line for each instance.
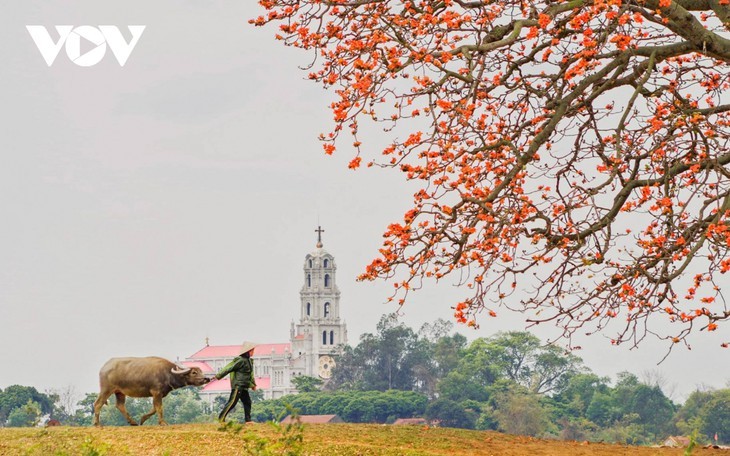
<point>241,370</point>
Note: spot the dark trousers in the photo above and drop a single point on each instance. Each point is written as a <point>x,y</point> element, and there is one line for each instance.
<point>237,394</point>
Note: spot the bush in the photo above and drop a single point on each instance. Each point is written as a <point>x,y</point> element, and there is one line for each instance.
<point>28,415</point>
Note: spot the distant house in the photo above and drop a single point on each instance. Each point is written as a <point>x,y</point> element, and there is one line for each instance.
<point>676,441</point>
<point>314,419</point>
<point>411,421</point>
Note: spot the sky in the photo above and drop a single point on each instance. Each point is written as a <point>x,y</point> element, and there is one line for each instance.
<point>147,207</point>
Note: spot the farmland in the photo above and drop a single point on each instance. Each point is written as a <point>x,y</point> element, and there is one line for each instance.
<point>329,439</point>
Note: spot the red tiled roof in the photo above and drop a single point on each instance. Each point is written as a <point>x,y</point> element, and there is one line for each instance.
<point>217,351</point>
<point>679,440</point>
<point>224,385</point>
<point>315,419</point>
<point>230,351</point>
<point>205,367</point>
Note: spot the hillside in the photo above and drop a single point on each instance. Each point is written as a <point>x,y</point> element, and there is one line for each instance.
<point>329,439</point>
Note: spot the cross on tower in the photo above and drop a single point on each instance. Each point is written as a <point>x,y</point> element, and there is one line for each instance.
<point>319,232</point>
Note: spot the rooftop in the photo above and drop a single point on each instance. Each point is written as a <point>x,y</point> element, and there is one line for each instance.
<point>315,419</point>
<point>231,351</point>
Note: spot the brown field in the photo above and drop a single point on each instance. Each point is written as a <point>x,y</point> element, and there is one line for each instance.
<point>324,439</point>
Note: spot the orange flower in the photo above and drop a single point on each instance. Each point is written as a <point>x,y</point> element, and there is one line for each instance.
<point>355,163</point>
<point>543,20</point>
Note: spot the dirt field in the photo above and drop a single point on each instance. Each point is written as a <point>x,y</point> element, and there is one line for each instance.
<point>327,439</point>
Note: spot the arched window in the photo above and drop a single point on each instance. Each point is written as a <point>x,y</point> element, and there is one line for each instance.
<point>332,337</point>
<point>326,309</point>
<point>324,337</point>
<point>309,309</point>
<point>326,263</point>
<point>309,280</point>
<point>326,280</point>
<point>310,262</point>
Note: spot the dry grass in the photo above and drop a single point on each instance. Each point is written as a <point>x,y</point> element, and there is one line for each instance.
<point>326,439</point>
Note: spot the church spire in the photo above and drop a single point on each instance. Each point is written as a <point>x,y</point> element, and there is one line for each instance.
<point>319,232</point>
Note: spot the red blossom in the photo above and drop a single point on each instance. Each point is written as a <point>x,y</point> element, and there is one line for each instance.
<point>568,162</point>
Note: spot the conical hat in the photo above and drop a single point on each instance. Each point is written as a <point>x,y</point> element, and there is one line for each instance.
<point>248,346</point>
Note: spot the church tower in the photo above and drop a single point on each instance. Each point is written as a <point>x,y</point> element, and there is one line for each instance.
<point>316,339</point>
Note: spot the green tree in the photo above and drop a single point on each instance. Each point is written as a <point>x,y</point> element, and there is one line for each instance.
<point>626,385</point>
<point>459,386</point>
<point>450,413</point>
<point>184,406</point>
<point>27,415</point>
<point>474,372</point>
<point>630,412</point>
<point>265,411</point>
<point>390,359</point>
<point>307,384</point>
<point>626,431</point>
<point>519,411</point>
<point>688,418</point>
<point>393,356</point>
<point>447,351</point>
<point>576,428</point>
<point>406,404</point>
<point>602,409</point>
<point>256,395</point>
<point>351,406</point>
<point>520,357</point>
<point>654,409</point>
<point>579,391</point>
<point>359,410</point>
<point>487,420</point>
<point>15,396</point>
<point>84,411</point>
<point>440,353</point>
<point>715,416</point>
<point>348,372</point>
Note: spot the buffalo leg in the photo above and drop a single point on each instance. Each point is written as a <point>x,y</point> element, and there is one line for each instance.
<point>157,402</point>
<point>146,416</point>
<point>121,399</point>
<point>156,408</point>
<point>99,403</point>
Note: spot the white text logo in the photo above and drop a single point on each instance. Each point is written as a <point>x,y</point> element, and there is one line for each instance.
<point>98,37</point>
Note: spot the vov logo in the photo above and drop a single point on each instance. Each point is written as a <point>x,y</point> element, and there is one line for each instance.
<point>71,37</point>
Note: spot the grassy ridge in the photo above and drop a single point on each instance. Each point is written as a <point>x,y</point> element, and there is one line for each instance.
<point>328,439</point>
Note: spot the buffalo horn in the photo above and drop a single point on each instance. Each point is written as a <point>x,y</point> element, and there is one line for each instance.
<point>180,370</point>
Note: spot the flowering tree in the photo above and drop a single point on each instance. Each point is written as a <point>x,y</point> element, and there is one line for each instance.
<point>572,155</point>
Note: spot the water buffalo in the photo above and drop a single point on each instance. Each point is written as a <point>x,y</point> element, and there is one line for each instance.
<point>143,377</point>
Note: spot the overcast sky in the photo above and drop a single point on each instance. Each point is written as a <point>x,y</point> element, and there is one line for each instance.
<point>147,207</point>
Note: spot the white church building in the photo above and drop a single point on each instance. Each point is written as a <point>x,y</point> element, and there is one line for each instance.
<point>314,342</point>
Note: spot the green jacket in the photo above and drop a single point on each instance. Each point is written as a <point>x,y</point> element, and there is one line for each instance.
<point>241,370</point>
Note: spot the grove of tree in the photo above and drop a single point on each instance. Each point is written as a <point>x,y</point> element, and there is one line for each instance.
<point>509,382</point>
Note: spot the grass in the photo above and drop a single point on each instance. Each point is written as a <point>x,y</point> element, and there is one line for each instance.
<point>325,439</point>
